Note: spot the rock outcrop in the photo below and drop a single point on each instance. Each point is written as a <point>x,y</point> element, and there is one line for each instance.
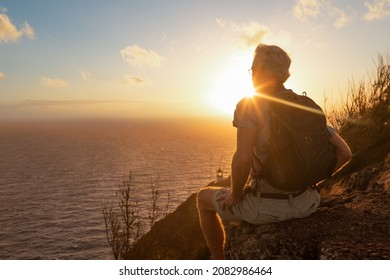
<point>176,237</point>
<point>352,222</point>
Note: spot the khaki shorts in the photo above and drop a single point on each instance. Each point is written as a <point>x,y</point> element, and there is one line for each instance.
<point>255,209</point>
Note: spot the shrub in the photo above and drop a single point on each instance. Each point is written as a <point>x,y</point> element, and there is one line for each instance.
<point>363,118</point>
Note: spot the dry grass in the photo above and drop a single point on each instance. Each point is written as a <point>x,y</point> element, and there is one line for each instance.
<point>364,116</point>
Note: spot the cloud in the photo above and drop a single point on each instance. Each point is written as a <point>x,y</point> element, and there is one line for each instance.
<point>55,83</point>
<point>305,9</point>
<point>2,76</point>
<point>133,80</point>
<point>28,30</point>
<point>87,76</point>
<point>248,34</point>
<point>47,103</point>
<point>125,80</point>
<point>220,22</point>
<point>377,9</point>
<point>9,33</point>
<point>341,17</point>
<point>60,109</point>
<point>251,33</point>
<point>137,56</point>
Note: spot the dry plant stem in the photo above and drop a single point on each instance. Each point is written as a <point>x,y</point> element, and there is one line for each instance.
<point>123,223</point>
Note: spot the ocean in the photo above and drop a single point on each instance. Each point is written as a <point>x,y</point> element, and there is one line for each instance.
<point>56,176</point>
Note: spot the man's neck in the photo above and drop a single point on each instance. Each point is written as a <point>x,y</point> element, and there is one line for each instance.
<point>271,89</point>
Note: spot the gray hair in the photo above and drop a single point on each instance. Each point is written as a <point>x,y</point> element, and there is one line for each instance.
<point>273,60</point>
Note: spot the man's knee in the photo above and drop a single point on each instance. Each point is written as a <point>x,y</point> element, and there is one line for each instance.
<point>205,199</point>
<point>202,198</point>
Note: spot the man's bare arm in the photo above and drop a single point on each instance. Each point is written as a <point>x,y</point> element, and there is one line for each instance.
<point>343,152</point>
<point>242,160</point>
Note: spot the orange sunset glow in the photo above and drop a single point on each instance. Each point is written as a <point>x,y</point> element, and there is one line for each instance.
<point>132,60</point>
<point>131,130</point>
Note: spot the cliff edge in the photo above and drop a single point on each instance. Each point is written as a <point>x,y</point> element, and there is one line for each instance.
<point>352,222</point>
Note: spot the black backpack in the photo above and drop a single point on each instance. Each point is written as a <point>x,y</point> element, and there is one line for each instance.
<point>300,154</point>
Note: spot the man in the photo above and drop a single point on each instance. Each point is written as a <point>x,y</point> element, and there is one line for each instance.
<point>267,204</point>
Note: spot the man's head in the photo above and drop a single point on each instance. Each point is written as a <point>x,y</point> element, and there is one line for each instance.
<point>270,65</point>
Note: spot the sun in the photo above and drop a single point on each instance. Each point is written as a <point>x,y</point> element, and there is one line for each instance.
<point>233,83</point>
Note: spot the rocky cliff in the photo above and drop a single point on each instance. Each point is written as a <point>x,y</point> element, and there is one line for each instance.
<point>352,223</point>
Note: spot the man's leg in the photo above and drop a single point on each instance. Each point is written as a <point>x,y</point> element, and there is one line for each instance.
<point>210,222</point>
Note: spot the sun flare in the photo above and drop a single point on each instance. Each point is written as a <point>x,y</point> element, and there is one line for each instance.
<point>232,84</point>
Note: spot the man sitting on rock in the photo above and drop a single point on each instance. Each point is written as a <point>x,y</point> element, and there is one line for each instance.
<point>251,197</point>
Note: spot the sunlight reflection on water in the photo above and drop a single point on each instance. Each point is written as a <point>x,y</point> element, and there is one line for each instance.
<point>54,177</point>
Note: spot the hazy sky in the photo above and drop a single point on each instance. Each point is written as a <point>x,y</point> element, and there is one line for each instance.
<point>158,58</point>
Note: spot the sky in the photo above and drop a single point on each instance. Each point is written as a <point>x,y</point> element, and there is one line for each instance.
<point>94,58</point>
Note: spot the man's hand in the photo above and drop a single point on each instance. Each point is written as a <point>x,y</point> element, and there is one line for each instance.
<point>227,198</point>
